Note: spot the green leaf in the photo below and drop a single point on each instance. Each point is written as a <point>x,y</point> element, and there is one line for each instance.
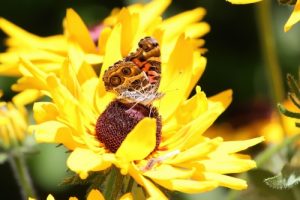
<point>287,178</point>
<point>3,158</point>
<point>258,190</point>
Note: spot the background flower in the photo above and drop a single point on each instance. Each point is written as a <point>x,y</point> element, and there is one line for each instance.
<point>259,120</point>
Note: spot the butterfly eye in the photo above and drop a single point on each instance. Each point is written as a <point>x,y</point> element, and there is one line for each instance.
<point>115,80</point>
<point>126,71</point>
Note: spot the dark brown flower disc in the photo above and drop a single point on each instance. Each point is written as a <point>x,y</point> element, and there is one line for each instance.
<point>118,119</point>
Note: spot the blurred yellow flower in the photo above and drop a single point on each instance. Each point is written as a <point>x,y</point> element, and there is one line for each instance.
<point>80,43</point>
<point>293,19</point>
<point>94,194</point>
<point>13,125</point>
<point>273,126</point>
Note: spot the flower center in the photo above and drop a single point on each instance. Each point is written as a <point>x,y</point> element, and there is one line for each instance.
<point>116,122</point>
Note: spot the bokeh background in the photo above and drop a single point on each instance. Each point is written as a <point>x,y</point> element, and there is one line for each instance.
<point>235,61</point>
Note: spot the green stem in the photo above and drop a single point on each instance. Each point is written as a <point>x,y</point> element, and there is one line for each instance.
<point>273,71</point>
<point>272,67</point>
<point>19,168</point>
<point>114,184</point>
<point>129,185</point>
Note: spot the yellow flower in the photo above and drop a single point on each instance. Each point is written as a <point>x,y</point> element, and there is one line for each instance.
<point>293,19</point>
<point>135,22</point>
<point>13,125</point>
<point>273,126</point>
<point>183,160</point>
<point>93,195</point>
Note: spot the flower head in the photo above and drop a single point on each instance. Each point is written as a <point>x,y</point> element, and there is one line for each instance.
<point>13,125</point>
<point>176,156</point>
<point>268,123</point>
<point>94,194</point>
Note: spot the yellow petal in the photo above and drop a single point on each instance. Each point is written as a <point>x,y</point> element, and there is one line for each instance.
<point>104,35</point>
<point>152,10</point>
<point>9,69</point>
<point>82,161</point>
<point>28,82</point>
<point>21,37</point>
<point>15,31</point>
<point>140,142</point>
<point>37,73</point>
<point>197,30</point>
<point>294,18</point>
<point>227,165</point>
<point>85,73</point>
<point>56,132</point>
<point>27,96</point>
<point>151,189</point>
<point>79,32</point>
<point>31,54</point>
<point>184,19</point>
<point>129,23</point>
<point>95,195</point>
<point>69,111</point>
<point>192,108</point>
<point>197,151</point>
<point>187,186</point>
<point>226,181</point>
<point>50,197</point>
<point>224,98</point>
<point>236,146</point>
<point>198,69</point>
<point>167,172</point>
<point>242,1</point>
<point>73,198</point>
<point>113,48</point>
<point>44,111</point>
<point>176,79</point>
<point>127,196</point>
<point>69,79</point>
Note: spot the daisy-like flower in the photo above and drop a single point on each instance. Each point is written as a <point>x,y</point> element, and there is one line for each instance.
<point>13,125</point>
<point>293,19</point>
<point>15,143</point>
<point>90,45</point>
<point>163,145</point>
<point>94,194</point>
<point>272,125</point>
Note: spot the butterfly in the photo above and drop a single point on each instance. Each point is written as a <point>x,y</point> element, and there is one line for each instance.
<point>136,78</point>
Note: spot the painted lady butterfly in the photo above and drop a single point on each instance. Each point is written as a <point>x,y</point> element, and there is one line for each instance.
<point>136,78</point>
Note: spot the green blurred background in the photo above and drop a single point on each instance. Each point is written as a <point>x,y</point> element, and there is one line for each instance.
<point>234,61</point>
